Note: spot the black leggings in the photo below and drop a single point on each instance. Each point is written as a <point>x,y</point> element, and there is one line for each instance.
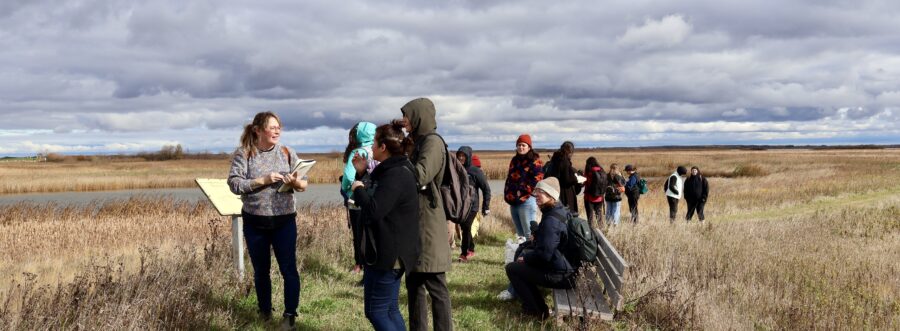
<point>594,211</point>
<point>356,229</point>
<point>695,205</point>
<point>673,207</point>
<point>633,206</point>
<point>468,244</point>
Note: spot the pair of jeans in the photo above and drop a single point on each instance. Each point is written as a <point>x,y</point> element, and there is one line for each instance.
<point>633,206</point>
<point>613,210</point>
<point>673,207</point>
<point>522,215</point>
<point>436,285</point>
<point>695,205</point>
<point>356,226</point>
<point>594,211</point>
<point>525,279</point>
<point>381,292</point>
<point>283,242</point>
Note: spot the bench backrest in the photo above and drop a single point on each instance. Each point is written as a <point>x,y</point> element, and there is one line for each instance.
<point>612,271</point>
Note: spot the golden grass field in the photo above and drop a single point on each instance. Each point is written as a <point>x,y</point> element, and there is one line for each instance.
<point>808,241</point>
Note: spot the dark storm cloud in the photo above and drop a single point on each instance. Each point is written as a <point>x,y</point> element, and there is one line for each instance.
<point>130,66</point>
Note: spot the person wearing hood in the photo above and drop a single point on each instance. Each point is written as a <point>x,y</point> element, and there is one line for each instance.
<point>428,157</point>
<point>563,170</point>
<point>360,143</point>
<point>696,189</point>
<point>477,180</point>
<point>633,191</point>
<point>675,190</point>
<point>543,264</point>
<point>525,171</point>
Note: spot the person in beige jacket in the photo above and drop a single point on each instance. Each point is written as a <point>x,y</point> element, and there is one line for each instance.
<point>428,157</point>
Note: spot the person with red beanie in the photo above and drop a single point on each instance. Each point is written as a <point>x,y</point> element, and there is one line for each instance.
<point>525,171</point>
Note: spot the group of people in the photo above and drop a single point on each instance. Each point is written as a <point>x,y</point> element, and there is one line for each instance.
<point>391,186</point>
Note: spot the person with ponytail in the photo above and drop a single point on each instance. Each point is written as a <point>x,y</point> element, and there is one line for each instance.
<point>389,206</point>
<point>260,165</point>
<point>360,144</point>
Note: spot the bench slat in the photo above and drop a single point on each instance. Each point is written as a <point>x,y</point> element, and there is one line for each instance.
<point>613,255</point>
<point>608,268</point>
<point>586,298</point>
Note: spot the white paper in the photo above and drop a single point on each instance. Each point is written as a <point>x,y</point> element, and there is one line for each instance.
<point>301,168</point>
<point>581,179</point>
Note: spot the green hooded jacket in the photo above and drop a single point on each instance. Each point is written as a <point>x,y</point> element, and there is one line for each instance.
<point>429,164</point>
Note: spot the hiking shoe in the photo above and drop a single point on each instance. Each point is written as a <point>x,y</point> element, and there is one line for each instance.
<point>520,240</point>
<point>265,315</point>
<point>470,254</point>
<point>288,323</point>
<point>463,258</point>
<point>505,296</point>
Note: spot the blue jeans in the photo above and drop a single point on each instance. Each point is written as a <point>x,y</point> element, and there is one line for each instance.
<point>283,241</point>
<point>613,210</point>
<point>381,295</point>
<point>522,215</point>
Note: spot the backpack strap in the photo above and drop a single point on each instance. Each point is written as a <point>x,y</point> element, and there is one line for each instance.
<point>287,153</point>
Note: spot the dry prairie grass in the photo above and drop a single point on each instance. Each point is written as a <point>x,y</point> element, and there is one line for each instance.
<point>811,245</point>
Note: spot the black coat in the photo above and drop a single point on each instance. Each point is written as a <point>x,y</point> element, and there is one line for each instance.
<point>551,235</point>
<point>481,183</point>
<point>390,213</point>
<point>568,182</point>
<point>696,188</point>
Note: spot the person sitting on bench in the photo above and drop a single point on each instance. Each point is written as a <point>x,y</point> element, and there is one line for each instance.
<point>543,264</point>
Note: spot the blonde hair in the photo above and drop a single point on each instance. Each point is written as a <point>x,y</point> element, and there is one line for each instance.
<point>249,138</point>
<point>614,170</point>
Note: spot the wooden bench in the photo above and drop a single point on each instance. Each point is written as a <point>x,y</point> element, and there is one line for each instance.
<point>588,298</point>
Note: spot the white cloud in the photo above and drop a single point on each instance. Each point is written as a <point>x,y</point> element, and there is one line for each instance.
<point>666,32</point>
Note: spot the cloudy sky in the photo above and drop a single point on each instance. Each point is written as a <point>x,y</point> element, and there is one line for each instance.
<point>126,76</point>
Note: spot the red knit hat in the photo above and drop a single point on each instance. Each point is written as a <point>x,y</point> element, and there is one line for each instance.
<point>476,161</point>
<point>525,138</point>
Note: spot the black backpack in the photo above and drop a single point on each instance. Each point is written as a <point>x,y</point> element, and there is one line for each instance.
<point>598,183</point>
<point>582,243</point>
<point>455,189</point>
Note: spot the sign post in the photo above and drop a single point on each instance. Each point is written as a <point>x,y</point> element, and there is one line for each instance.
<point>227,204</point>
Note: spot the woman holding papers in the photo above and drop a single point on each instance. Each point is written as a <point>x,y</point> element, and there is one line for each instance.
<point>390,216</point>
<point>260,166</point>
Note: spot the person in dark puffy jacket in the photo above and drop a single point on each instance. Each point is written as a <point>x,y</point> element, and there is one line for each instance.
<point>543,264</point>
<point>464,154</point>
<point>633,191</point>
<point>696,189</point>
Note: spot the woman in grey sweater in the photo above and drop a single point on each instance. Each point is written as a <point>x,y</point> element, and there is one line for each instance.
<point>259,167</point>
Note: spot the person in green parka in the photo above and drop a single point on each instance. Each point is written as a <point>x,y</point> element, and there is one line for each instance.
<point>429,155</point>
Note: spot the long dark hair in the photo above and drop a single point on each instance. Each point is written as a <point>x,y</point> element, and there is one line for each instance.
<point>590,164</point>
<point>567,149</point>
<point>391,136</point>
<point>352,143</point>
<point>249,138</point>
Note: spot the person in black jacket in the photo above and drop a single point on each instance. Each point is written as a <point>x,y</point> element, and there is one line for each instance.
<point>464,154</point>
<point>633,191</point>
<point>390,214</point>
<point>543,264</point>
<point>696,189</point>
<point>563,171</point>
